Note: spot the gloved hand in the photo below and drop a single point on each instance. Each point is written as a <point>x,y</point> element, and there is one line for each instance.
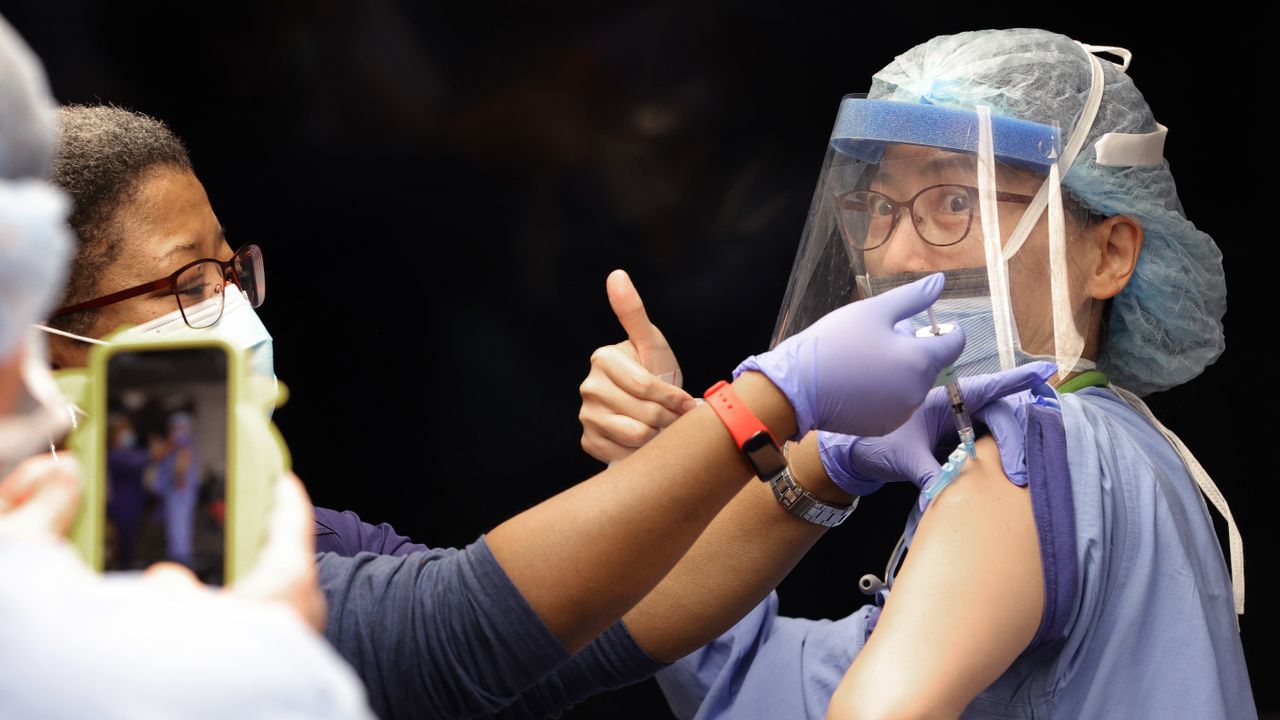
<point>852,372</point>
<point>860,465</point>
<point>1007,419</point>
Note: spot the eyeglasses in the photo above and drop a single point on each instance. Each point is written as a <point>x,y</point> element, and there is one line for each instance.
<point>195,283</point>
<point>941,214</point>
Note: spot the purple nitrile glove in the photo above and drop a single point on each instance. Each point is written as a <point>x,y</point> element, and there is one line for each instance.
<point>852,372</point>
<point>860,465</point>
<point>1006,417</point>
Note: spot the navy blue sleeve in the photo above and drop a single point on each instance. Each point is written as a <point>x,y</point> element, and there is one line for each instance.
<point>345,534</point>
<point>611,661</point>
<point>440,633</point>
<point>1049,478</point>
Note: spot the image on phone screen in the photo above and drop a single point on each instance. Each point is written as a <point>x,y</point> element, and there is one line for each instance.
<point>166,445</point>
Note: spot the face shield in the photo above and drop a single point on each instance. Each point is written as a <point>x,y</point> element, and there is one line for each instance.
<point>909,189</point>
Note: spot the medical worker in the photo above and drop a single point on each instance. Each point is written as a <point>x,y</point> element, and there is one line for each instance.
<point>1079,564</point>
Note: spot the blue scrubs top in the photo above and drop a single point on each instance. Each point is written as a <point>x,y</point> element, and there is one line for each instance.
<point>1138,618</point>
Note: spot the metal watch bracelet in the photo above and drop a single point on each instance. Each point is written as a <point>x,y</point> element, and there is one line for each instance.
<point>804,504</point>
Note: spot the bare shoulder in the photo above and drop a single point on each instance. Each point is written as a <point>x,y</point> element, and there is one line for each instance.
<point>966,603</point>
<point>982,488</point>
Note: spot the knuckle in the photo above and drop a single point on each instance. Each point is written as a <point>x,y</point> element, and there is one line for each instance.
<point>593,387</point>
<point>644,384</point>
<point>656,416</point>
<point>636,435</point>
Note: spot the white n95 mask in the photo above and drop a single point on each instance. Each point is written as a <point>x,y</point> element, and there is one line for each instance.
<point>240,327</point>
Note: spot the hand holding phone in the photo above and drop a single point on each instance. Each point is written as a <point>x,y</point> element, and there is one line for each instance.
<point>286,568</point>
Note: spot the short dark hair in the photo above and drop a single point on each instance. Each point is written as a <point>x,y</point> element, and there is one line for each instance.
<point>103,152</point>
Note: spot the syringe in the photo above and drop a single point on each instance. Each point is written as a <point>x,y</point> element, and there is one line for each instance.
<point>964,426</point>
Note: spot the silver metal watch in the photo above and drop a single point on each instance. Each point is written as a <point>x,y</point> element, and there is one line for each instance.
<point>804,504</point>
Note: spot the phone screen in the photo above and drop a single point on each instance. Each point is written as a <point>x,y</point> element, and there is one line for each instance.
<point>166,464</point>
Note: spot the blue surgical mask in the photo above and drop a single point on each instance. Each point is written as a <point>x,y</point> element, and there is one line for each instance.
<point>965,302</point>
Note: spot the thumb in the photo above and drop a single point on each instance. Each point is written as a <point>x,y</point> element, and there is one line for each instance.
<point>629,309</point>
<point>1002,420</point>
<point>944,350</point>
<point>925,473</point>
<point>982,389</point>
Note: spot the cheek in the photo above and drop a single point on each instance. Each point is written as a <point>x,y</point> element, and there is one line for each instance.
<point>1031,291</point>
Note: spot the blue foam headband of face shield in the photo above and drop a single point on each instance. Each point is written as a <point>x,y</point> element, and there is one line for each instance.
<point>864,127</point>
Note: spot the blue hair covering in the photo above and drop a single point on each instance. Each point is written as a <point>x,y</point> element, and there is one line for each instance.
<point>1165,327</point>
<point>35,243</point>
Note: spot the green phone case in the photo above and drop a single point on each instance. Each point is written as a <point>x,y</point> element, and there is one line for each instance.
<point>256,453</point>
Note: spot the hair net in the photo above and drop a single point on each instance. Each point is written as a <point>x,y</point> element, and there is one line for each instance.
<point>1165,327</point>
<point>34,239</point>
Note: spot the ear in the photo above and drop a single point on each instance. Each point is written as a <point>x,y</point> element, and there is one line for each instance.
<point>1117,242</point>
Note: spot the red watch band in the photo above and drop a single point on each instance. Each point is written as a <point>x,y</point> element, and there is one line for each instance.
<point>734,413</point>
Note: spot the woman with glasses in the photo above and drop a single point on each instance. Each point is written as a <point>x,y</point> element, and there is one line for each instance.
<point>1073,570</point>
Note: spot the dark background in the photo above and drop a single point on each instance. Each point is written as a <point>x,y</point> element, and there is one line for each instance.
<point>440,191</point>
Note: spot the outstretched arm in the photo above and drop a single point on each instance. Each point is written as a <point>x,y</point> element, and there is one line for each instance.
<point>746,551</point>
<point>584,557</point>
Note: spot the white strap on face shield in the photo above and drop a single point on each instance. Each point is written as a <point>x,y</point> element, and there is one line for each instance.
<point>997,267</point>
<point>1067,340</point>
<point>1116,50</point>
<point>1069,153</point>
<point>1210,490</point>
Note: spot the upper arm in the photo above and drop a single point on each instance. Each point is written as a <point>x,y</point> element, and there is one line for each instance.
<point>435,633</point>
<point>967,602</point>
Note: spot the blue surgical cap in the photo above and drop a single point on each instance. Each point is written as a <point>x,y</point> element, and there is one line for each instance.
<point>35,242</point>
<point>1165,327</point>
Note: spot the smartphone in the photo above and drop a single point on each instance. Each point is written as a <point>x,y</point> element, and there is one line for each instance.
<point>178,457</point>
<point>166,448</point>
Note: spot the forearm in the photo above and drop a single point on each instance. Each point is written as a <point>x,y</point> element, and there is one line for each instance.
<point>742,556</point>
<point>587,555</point>
<point>612,660</point>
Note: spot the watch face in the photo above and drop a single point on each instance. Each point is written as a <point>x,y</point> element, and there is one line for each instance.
<point>763,454</point>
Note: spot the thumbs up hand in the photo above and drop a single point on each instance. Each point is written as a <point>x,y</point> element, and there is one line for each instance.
<point>633,389</point>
